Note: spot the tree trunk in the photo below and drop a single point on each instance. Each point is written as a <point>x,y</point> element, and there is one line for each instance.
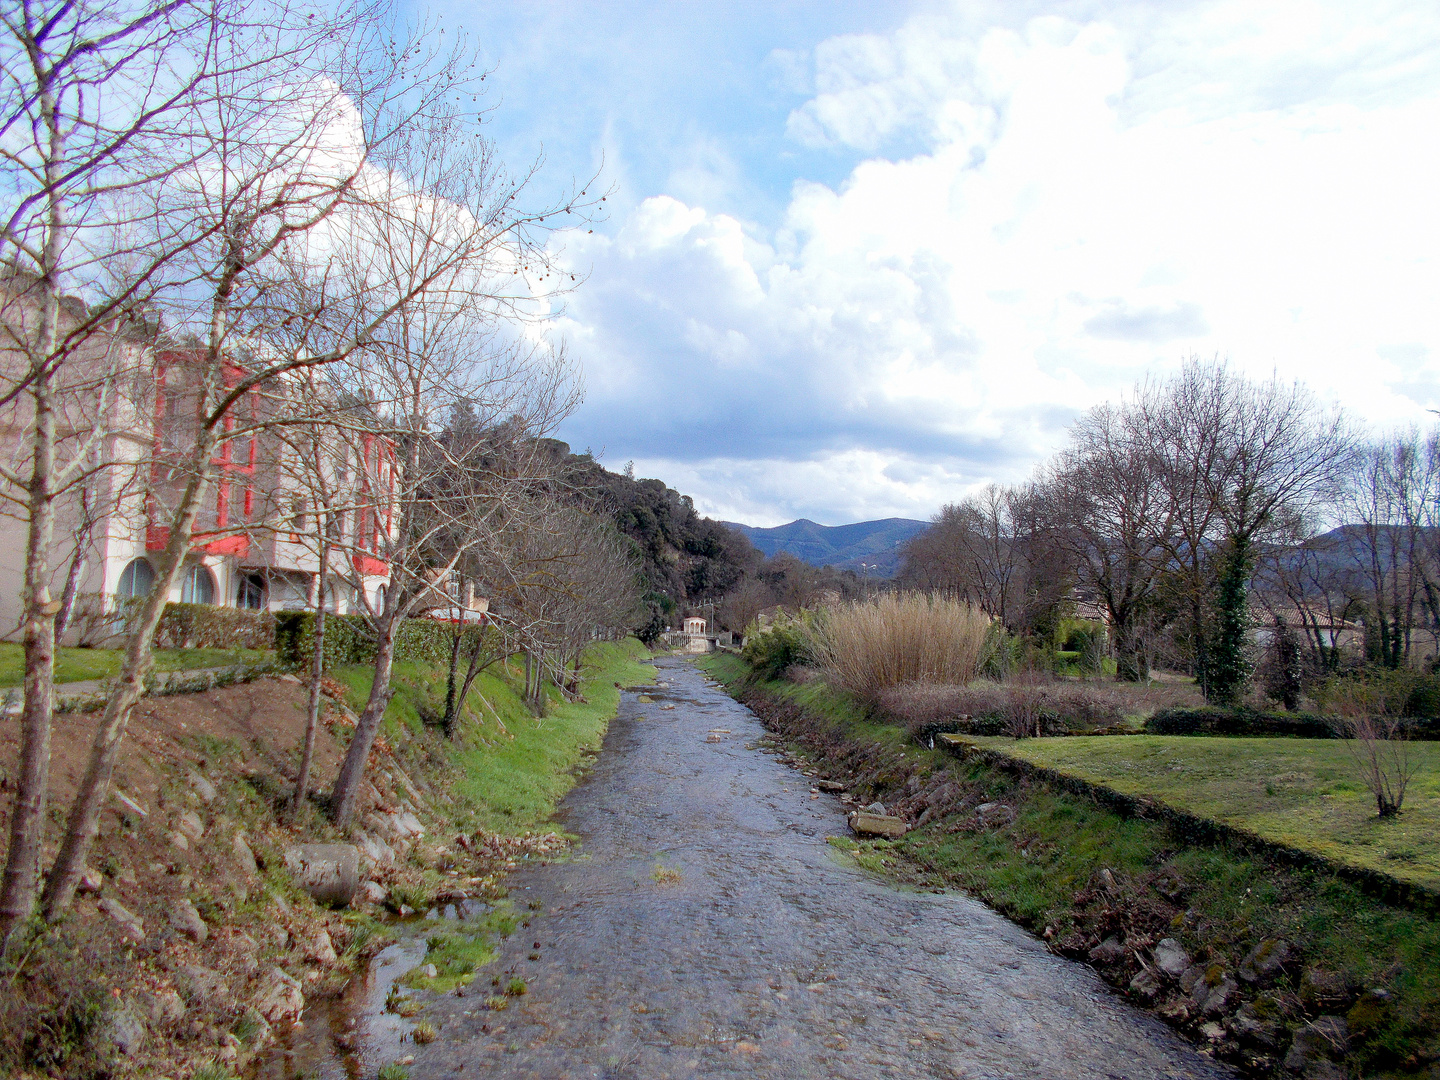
<point>312,706</point>
<point>83,823</point>
<point>357,755</point>
<point>1131,664</point>
<point>27,818</point>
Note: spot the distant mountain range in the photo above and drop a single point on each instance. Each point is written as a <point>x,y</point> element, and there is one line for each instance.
<point>870,548</point>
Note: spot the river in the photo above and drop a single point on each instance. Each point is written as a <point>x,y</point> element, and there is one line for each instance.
<point>707,929</point>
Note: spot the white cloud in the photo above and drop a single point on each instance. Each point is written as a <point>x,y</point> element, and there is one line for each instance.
<point>1092,201</point>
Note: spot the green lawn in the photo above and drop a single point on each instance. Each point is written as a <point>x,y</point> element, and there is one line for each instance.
<point>75,665</point>
<point>1303,792</point>
<point>512,768</point>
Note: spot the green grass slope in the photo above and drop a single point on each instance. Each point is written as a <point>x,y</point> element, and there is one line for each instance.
<point>510,767</point>
<point>1306,793</point>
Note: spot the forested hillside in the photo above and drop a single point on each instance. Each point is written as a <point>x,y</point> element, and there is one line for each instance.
<point>686,559</point>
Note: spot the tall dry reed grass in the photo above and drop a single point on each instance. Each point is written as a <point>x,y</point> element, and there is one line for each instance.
<point>869,646</point>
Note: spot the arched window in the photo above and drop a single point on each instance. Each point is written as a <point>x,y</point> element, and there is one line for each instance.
<point>137,579</point>
<point>250,592</point>
<point>198,587</point>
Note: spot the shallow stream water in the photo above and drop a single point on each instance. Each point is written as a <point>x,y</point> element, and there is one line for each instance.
<point>707,930</point>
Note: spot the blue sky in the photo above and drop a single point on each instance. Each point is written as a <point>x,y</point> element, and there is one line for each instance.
<point>862,258</point>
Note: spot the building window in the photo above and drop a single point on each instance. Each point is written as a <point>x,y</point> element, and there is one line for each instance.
<point>198,587</point>
<point>137,579</point>
<point>250,593</point>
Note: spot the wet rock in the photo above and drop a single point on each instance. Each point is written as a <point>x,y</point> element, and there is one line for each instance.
<point>320,949</point>
<point>1325,991</point>
<point>866,823</point>
<point>1251,1029</point>
<point>1108,952</point>
<point>1316,1045</point>
<point>279,997</point>
<point>125,1031</point>
<point>191,826</point>
<point>1265,963</point>
<point>330,873</point>
<point>1176,1009</point>
<point>1171,960</point>
<point>184,918</point>
<point>244,857</point>
<point>1220,998</point>
<point>1146,986</point>
<point>130,923</point>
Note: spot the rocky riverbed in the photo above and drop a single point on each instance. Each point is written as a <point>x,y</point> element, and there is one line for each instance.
<point>708,930</point>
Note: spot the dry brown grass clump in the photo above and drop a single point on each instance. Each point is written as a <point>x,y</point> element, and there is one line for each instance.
<point>870,646</point>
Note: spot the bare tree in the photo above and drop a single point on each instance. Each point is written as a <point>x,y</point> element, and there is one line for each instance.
<point>1243,462</point>
<point>1109,510</point>
<point>305,236</point>
<point>446,498</point>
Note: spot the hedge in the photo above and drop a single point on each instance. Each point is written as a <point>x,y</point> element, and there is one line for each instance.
<point>1248,723</point>
<point>350,639</point>
<point>205,626</point>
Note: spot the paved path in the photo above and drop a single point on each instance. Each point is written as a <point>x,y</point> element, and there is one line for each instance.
<point>767,958</point>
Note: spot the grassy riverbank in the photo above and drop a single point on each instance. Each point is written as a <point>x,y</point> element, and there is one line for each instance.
<point>1080,875</point>
<point>1302,792</point>
<point>507,768</point>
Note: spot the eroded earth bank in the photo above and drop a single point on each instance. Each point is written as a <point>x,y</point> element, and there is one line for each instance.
<point>706,930</point>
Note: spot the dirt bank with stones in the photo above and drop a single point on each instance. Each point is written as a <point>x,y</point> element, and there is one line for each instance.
<point>197,937</point>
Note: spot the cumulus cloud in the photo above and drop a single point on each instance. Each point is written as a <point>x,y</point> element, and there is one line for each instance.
<point>1120,322</point>
<point>1072,205</point>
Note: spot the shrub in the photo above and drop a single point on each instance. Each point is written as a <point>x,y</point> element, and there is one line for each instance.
<point>871,646</point>
<point>1395,692</point>
<point>205,626</point>
<point>785,643</point>
<point>1213,721</point>
<point>350,639</point>
<point>984,708</point>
